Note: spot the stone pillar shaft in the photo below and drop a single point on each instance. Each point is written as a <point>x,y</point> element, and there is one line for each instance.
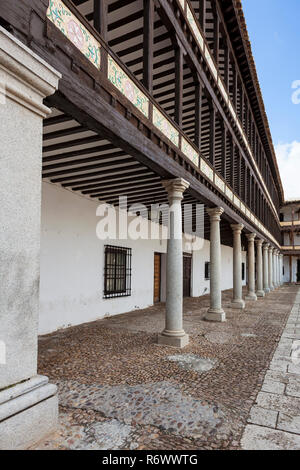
<point>271,268</point>
<point>251,268</point>
<point>215,312</point>
<point>28,404</point>
<point>266,267</point>
<point>237,301</point>
<point>173,334</point>
<point>259,264</point>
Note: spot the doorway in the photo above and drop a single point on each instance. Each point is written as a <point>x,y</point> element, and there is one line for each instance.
<point>157,278</point>
<point>187,275</point>
<point>298,270</point>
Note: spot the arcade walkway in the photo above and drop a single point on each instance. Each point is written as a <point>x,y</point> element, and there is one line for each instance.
<point>119,390</point>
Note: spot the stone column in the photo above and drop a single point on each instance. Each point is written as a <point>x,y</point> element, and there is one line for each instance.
<point>251,267</point>
<point>266,267</point>
<point>28,404</point>
<point>173,334</point>
<point>259,265</point>
<point>278,269</point>
<point>271,285</point>
<point>281,269</point>
<point>237,301</point>
<point>215,312</point>
<point>275,268</point>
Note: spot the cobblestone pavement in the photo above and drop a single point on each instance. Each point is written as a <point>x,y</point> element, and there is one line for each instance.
<point>119,390</point>
<point>274,421</point>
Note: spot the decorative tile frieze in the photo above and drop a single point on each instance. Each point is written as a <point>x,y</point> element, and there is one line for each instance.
<point>206,169</point>
<point>194,27</point>
<point>243,208</point>
<point>189,152</point>
<point>165,126</point>
<point>182,3</point>
<point>219,183</point>
<point>229,193</point>
<point>125,85</point>
<point>74,30</point>
<point>237,201</point>
<point>223,91</point>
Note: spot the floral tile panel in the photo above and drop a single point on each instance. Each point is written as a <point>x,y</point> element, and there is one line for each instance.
<point>127,87</point>
<point>194,27</point>
<point>74,30</point>
<point>164,125</point>
<point>188,150</point>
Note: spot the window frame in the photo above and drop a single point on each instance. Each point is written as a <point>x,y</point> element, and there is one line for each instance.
<point>117,270</point>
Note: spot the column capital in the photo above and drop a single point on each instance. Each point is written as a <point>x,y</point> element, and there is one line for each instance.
<point>251,237</point>
<point>215,213</point>
<point>237,228</point>
<point>175,187</point>
<point>266,246</point>
<point>271,249</point>
<point>259,242</point>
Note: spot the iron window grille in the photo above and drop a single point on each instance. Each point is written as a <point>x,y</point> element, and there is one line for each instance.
<point>117,272</point>
<point>207,271</point>
<point>243,271</point>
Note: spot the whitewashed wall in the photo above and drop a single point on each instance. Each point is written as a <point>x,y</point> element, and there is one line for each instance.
<point>286,263</point>
<point>72,264</point>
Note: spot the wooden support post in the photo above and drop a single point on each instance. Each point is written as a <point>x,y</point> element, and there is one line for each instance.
<point>226,64</point>
<point>202,14</point>
<point>178,84</point>
<point>232,164</point>
<point>212,133</point>
<point>224,149</point>
<point>216,35</point>
<point>198,111</point>
<point>100,17</point>
<point>235,87</point>
<point>148,44</point>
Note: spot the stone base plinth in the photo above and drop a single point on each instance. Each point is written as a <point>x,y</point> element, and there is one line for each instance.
<point>28,413</point>
<point>260,293</point>
<point>215,315</point>
<point>267,290</point>
<point>237,304</point>
<point>173,341</point>
<point>251,297</point>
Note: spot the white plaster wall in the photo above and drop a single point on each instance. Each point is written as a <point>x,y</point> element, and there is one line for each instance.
<point>72,264</point>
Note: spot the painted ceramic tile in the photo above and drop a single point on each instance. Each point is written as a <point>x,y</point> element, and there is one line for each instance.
<point>194,27</point>
<point>211,63</point>
<point>220,183</point>
<point>125,85</point>
<point>248,213</point>
<point>231,109</point>
<point>74,30</point>
<point>229,193</point>
<point>236,201</point>
<point>222,89</point>
<point>206,169</point>
<point>165,126</point>
<point>182,3</point>
<point>188,150</point>
<point>243,208</point>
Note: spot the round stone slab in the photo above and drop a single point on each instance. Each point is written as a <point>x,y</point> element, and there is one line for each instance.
<point>193,362</point>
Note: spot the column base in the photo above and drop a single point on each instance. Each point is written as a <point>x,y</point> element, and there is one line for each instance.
<point>215,315</point>
<point>238,304</point>
<point>260,293</point>
<point>267,290</point>
<point>252,297</point>
<point>173,341</point>
<point>272,288</point>
<point>28,413</point>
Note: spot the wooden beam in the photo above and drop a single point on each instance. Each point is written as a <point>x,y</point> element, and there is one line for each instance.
<point>148,44</point>
<point>178,85</point>
<point>212,133</point>
<point>100,17</point>
<point>198,112</point>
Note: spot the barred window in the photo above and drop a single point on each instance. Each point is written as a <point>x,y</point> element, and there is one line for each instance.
<point>207,271</point>
<point>243,271</point>
<point>117,272</point>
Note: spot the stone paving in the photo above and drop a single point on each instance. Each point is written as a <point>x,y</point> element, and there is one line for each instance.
<point>119,390</point>
<point>274,421</point>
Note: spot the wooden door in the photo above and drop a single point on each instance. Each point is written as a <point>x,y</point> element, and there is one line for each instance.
<point>157,277</point>
<point>187,275</point>
<point>298,270</point>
